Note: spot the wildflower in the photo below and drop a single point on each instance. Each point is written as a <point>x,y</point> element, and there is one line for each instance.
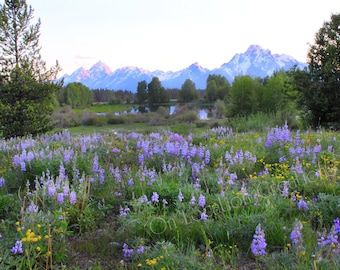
<point>2,182</point>
<point>201,201</point>
<point>83,148</point>
<point>193,199</point>
<point>180,196</point>
<point>73,197</point>
<point>140,250</point>
<point>285,189</point>
<point>23,166</point>
<point>295,235</point>
<point>204,215</point>
<point>66,190</point>
<point>95,166</point>
<point>60,198</point>
<point>127,252</point>
<point>143,199</point>
<point>337,225</point>
<point>115,150</point>
<point>165,202</point>
<point>244,190</point>
<point>17,248</point>
<point>32,208</point>
<point>331,239</point>
<point>130,182</point>
<point>207,157</point>
<point>124,211</point>
<point>258,245</point>
<point>155,197</point>
<point>302,205</point>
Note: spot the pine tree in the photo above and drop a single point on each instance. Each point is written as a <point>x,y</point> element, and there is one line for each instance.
<point>26,88</point>
<point>322,98</point>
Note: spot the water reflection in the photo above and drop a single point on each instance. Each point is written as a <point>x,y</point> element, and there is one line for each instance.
<point>202,114</point>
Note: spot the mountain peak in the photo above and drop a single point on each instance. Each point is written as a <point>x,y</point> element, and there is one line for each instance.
<point>100,67</point>
<point>256,49</point>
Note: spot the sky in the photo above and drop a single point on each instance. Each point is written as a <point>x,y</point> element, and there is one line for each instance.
<point>172,34</point>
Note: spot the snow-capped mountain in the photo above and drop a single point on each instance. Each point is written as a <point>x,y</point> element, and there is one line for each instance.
<point>256,62</point>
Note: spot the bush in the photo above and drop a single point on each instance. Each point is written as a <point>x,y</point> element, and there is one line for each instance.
<point>187,116</point>
<point>96,121</point>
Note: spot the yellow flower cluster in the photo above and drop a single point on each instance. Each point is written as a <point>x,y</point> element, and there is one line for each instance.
<point>154,261</point>
<point>30,237</point>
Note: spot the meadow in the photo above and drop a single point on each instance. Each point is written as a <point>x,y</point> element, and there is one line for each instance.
<point>171,198</point>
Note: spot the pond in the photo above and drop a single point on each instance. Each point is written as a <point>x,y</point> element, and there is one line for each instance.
<point>202,114</point>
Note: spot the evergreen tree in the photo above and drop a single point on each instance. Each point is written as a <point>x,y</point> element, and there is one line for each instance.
<point>188,92</point>
<point>322,98</point>
<point>26,89</point>
<point>142,93</point>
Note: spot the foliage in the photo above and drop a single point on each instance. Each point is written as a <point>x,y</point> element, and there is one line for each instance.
<point>142,93</point>
<point>156,93</point>
<point>27,93</point>
<point>217,87</point>
<point>77,95</point>
<point>243,96</point>
<point>188,92</point>
<point>324,67</point>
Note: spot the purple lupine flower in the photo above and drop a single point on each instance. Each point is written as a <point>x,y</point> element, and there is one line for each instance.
<point>141,158</point>
<point>189,138</point>
<point>73,197</point>
<point>2,182</point>
<point>60,198</point>
<point>101,176</point>
<point>62,172</point>
<point>285,189</point>
<point>155,197</point>
<point>258,245</point>
<point>115,150</point>
<point>204,215</point>
<point>165,202</point>
<point>124,211</point>
<point>95,165</point>
<point>23,166</point>
<point>140,250</point>
<point>207,157</point>
<point>337,225</point>
<point>143,199</point>
<point>180,196</point>
<point>193,200</point>
<point>302,205</point>
<point>51,190</point>
<point>244,190</point>
<point>296,235</point>
<point>66,190</point>
<point>17,249</point>
<point>83,148</point>
<point>331,239</point>
<point>201,201</point>
<point>32,208</point>
<point>330,148</point>
<point>130,182</point>
<point>126,251</point>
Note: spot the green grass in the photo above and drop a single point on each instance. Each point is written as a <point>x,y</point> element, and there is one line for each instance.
<point>107,108</point>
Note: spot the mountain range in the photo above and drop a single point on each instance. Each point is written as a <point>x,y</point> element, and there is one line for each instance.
<point>255,61</point>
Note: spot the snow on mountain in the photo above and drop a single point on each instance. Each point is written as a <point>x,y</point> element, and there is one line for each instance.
<point>255,61</point>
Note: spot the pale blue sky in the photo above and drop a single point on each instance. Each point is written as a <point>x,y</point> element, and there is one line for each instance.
<point>172,34</point>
